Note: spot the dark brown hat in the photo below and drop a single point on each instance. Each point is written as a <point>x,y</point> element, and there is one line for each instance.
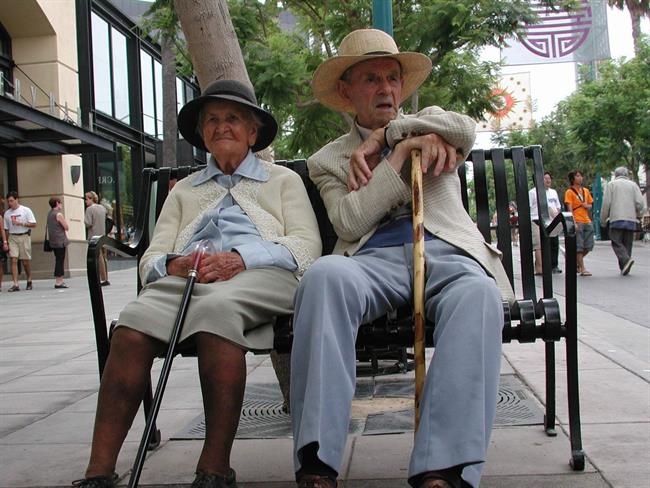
<point>235,91</point>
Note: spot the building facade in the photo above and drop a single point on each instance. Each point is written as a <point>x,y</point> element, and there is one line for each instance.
<point>84,65</point>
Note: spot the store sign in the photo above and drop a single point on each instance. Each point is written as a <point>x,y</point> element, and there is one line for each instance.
<point>579,36</point>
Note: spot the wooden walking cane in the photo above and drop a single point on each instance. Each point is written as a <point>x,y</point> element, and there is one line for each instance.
<point>418,277</point>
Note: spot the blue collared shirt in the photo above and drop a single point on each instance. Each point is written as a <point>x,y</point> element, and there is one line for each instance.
<point>228,226</point>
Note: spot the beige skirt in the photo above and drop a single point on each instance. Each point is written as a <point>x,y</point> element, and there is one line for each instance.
<point>241,310</point>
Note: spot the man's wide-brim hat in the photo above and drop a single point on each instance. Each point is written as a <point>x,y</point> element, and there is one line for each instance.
<point>234,91</point>
<point>362,45</point>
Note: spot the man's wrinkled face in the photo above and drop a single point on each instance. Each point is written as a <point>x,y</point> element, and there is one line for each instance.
<point>374,89</point>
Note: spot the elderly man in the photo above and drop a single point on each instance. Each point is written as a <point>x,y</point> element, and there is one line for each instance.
<point>364,180</point>
<point>623,205</point>
<point>260,221</point>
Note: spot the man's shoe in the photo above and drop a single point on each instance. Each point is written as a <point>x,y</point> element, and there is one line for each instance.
<point>316,481</point>
<point>97,482</point>
<point>626,269</point>
<point>14,288</point>
<point>62,285</point>
<point>29,285</point>
<point>557,270</point>
<point>207,480</point>
<point>105,283</point>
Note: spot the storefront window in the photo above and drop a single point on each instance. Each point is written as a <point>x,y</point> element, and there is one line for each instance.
<point>125,204</point>
<point>6,82</point>
<point>157,71</point>
<point>120,77</point>
<point>115,188</point>
<point>101,65</point>
<point>148,106</point>
<point>111,81</point>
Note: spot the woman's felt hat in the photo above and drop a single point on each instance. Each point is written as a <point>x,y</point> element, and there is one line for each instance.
<point>234,91</point>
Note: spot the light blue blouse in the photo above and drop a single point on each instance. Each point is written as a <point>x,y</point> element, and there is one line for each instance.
<point>228,226</point>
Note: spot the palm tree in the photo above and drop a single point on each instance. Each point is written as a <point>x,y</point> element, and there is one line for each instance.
<point>637,9</point>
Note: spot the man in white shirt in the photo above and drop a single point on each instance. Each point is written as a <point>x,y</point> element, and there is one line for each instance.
<point>554,208</point>
<point>18,223</point>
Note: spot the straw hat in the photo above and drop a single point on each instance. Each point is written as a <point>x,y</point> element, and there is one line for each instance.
<point>235,91</point>
<point>362,45</point>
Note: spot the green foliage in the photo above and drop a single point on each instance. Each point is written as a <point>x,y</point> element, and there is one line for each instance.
<point>602,125</point>
<point>280,62</point>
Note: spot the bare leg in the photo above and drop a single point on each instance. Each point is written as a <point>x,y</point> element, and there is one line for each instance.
<point>103,267</point>
<point>580,261</point>
<point>538,261</point>
<point>27,264</point>
<point>14,270</point>
<point>222,368</point>
<point>125,377</point>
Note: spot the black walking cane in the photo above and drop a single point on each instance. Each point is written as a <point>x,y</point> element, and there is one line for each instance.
<point>201,248</point>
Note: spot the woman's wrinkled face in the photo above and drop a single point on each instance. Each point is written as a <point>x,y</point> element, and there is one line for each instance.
<point>228,129</point>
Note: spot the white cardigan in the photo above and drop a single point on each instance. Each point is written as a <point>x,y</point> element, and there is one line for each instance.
<point>279,208</point>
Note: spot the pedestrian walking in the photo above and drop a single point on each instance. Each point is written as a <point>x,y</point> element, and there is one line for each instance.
<point>95,219</point>
<point>579,201</point>
<point>623,205</point>
<point>554,208</point>
<point>18,223</point>
<point>57,228</point>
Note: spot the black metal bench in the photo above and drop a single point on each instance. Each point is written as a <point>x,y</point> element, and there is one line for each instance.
<point>498,176</point>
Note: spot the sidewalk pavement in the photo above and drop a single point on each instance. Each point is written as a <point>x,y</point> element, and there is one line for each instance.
<point>49,381</point>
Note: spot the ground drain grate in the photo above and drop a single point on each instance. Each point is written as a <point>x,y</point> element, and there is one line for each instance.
<point>262,416</point>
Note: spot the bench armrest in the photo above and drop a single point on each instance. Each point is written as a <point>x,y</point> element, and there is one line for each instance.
<point>93,255</point>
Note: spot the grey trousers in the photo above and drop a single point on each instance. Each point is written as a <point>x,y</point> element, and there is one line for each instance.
<point>622,240</point>
<point>339,293</point>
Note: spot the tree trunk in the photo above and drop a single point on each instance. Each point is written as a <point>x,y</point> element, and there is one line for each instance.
<point>211,40</point>
<point>215,52</point>
<point>170,127</point>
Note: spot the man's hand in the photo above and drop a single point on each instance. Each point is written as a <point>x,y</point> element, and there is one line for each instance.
<point>220,266</point>
<point>437,154</point>
<point>365,159</point>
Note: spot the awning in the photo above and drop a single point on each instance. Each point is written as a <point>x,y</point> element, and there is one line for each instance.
<point>26,131</point>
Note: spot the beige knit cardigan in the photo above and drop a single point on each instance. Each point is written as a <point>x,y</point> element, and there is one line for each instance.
<point>356,215</point>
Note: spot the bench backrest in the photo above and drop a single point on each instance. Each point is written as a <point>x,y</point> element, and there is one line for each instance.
<point>489,181</point>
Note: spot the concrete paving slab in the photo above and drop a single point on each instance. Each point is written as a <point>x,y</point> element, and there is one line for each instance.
<point>44,383</point>
<point>615,397</point>
<point>12,422</point>
<point>622,452</point>
<point>18,370</point>
<point>39,402</point>
<point>51,465</point>
<point>42,352</point>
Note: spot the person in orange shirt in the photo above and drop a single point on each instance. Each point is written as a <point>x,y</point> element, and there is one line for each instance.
<point>579,201</point>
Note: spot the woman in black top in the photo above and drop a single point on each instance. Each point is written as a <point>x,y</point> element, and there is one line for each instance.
<point>56,230</point>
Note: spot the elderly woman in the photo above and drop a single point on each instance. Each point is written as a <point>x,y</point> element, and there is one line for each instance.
<point>259,218</point>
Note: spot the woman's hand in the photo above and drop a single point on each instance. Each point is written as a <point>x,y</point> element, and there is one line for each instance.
<point>180,266</point>
<point>220,266</point>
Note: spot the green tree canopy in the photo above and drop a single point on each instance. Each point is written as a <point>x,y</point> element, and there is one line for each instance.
<point>605,123</point>
<point>281,61</point>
